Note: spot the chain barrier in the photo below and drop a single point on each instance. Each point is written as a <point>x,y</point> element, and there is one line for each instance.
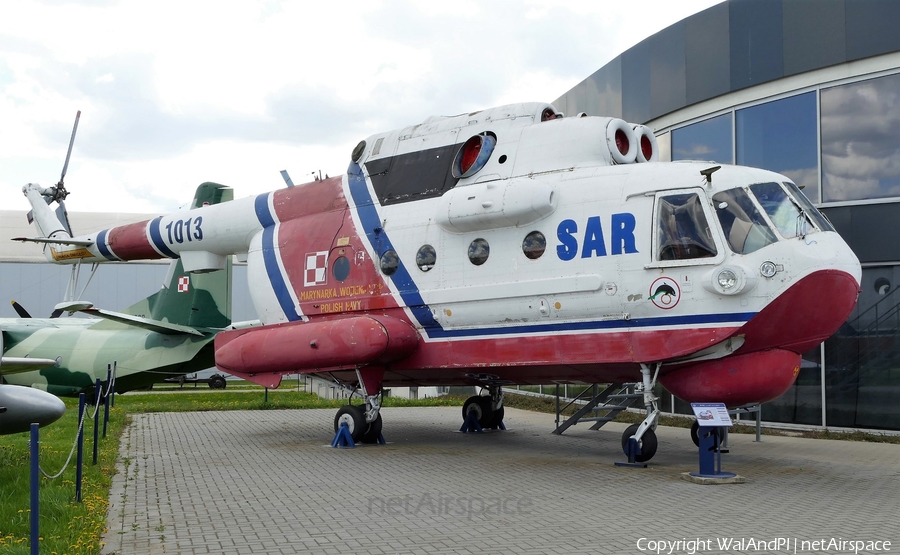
<point>80,428</point>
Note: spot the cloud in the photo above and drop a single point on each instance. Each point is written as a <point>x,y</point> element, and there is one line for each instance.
<point>861,139</point>
<point>174,92</point>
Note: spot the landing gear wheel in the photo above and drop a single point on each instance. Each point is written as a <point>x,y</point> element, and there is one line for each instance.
<point>695,434</point>
<point>373,431</point>
<point>648,442</point>
<point>217,382</point>
<point>481,406</point>
<point>355,418</point>
<point>497,419</point>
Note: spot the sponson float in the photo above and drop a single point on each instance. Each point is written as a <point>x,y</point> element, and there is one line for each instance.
<point>516,246</point>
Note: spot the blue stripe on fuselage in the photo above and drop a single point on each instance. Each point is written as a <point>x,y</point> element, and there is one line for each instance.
<point>157,239</point>
<point>371,222</point>
<point>587,326</point>
<point>270,258</point>
<point>103,247</point>
<point>262,210</point>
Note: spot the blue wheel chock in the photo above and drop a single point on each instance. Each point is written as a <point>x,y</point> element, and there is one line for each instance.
<point>381,440</point>
<point>711,454</point>
<point>343,439</point>
<point>471,424</point>
<point>632,449</point>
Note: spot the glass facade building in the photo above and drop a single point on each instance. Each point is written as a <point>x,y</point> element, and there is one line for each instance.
<point>810,89</point>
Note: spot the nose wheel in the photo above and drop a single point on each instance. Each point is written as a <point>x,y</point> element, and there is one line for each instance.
<point>639,440</point>
<point>647,443</point>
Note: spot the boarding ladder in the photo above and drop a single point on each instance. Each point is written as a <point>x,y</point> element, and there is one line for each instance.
<point>602,407</point>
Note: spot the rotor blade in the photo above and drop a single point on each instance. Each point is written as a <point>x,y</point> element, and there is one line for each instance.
<point>69,153</point>
<point>287,178</point>
<point>20,310</point>
<point>56,313</point>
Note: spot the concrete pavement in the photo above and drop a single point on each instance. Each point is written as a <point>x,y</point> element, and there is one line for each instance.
<point>267,482</point>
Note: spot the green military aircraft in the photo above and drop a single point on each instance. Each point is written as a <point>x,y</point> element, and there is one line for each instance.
<point>169,333</point>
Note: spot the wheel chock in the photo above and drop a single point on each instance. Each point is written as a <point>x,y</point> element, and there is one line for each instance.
<point>471,424</point>
<point>632,449</point>
<point>381,440</point>
<point>343,439</point>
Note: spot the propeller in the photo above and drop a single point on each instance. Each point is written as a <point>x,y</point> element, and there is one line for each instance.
<point>20,310</point>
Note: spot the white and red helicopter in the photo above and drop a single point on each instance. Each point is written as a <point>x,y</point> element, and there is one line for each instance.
<point>514,246</point>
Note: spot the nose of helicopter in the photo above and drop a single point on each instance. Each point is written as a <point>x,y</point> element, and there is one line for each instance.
<point>806,314</point>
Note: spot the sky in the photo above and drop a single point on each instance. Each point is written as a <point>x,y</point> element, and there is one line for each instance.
<point>173,93</point>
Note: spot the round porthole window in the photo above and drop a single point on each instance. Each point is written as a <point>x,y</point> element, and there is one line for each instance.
<point>882,286</point>
<point>479,250</point>
<point>534,245</point>
<point>426,257</point>
<point>389,262</point>
<point>341,268</point>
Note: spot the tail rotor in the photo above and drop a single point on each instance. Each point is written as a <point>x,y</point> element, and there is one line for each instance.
<point>58,192</point>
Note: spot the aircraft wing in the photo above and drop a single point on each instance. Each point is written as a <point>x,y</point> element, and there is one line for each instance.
<point>158,326</point>
<point>164,328</point>
<point>52,241</point>
<point>15,365</point>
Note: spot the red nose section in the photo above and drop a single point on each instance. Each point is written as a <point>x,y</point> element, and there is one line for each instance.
<point>803,316</point>
<point>736,380</point>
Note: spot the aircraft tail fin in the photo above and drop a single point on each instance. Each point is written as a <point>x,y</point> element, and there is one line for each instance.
<point>198,300</point>
<point>194,300</point>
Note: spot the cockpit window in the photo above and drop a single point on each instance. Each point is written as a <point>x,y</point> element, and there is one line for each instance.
<point>811,211</point>
<point>782,210</point>
<point>745,228</point>
<point>683,229</point>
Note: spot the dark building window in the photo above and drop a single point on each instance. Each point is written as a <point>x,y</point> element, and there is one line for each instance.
<point>861,140</point>
<point>861,374</point>
<point>706,140</point>
<point>802,403</point>
<point>781,136</point>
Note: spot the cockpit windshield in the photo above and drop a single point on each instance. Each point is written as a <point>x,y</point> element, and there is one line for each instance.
<point>790,210</point>
<point>745,227</point>
<point>782,210</point>
<point>811,211</point>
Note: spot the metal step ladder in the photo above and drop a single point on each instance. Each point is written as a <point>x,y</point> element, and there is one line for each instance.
<point>602,407</point>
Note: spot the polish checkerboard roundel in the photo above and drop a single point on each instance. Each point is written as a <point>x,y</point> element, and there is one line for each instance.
<point>316,265</point>
<point>184,284</point>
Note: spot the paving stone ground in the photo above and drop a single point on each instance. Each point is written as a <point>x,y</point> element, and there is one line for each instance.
<point>268,482</point>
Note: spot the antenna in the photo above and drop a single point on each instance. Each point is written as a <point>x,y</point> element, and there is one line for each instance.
<point>707,173</point>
